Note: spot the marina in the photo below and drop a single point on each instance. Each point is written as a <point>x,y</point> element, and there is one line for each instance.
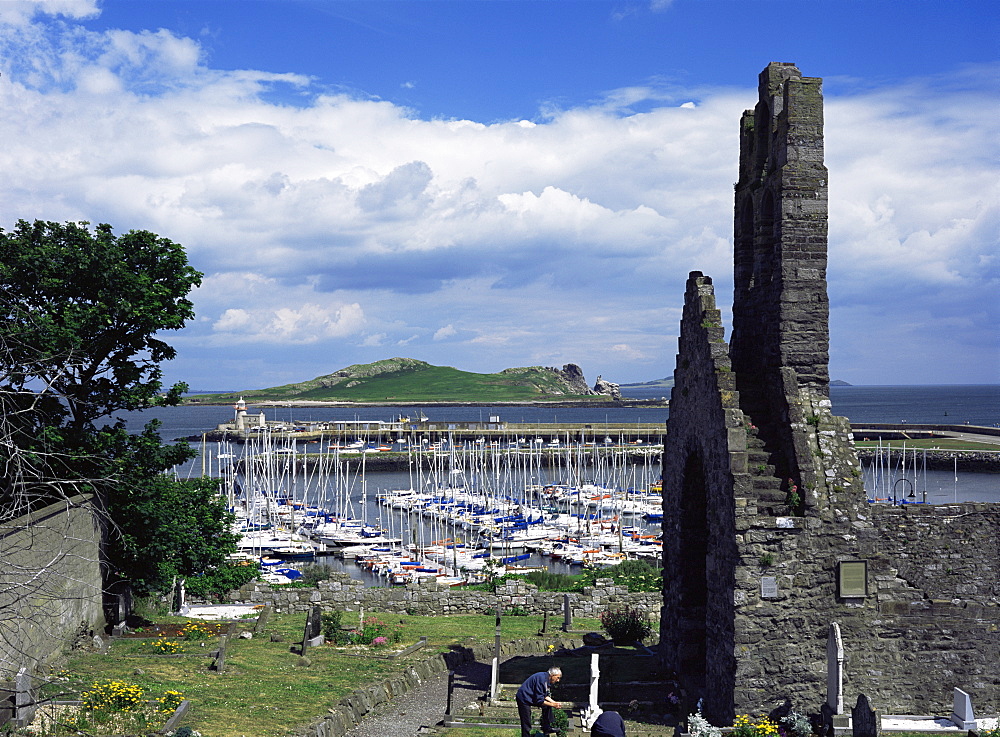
<point>381,511</point>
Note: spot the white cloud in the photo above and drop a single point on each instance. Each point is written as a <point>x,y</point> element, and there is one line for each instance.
<point>20,12</point>
<point>353,222</point>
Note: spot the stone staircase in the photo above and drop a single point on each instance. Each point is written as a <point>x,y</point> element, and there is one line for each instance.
<point>770,497</point>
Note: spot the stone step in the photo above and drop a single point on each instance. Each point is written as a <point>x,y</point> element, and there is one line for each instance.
<point>766,482</point>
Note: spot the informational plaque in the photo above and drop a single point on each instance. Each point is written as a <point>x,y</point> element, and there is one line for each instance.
<point>768,587</point>
<point>853,579</point>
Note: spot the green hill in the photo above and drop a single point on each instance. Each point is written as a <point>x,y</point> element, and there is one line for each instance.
<point>409,380</point>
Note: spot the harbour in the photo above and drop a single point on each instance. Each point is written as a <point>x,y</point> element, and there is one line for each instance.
<point>522,473</point>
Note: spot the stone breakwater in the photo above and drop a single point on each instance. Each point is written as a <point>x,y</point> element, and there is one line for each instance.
<point>426,597</point>
<point>942,460</point>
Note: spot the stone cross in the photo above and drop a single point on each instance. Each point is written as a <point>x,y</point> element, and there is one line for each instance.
<point>835,670</point>
<point>865,721</point>
<point>961,712</point>
<point>592,710</point>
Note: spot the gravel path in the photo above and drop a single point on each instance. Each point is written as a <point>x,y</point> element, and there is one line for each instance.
<point>424,706</point>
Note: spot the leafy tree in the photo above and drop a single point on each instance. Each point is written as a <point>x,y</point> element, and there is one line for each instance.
<point>82,311</point>
<point>80,316</point>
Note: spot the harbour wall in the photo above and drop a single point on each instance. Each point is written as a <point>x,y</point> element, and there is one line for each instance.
<point>426,597</point>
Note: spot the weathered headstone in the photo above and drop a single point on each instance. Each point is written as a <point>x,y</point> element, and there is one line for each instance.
<point>262,618</point>
<point>567,614</point>
<point>313,634</point>
<point>865,721</point>
<point>495,665</point>
<point>835,670</point>
<point>180,597</point>
<point>219,662</point>
<point>961,712</point>
<point>593,710</point>
<point>24,704</point>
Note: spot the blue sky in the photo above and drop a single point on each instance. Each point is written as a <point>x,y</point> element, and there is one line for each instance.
<point>489,183</point>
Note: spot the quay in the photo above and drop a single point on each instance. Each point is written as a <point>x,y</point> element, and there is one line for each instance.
<point>421,431</point>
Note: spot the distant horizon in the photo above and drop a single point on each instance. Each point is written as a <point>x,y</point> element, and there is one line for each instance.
<point>637,384</point>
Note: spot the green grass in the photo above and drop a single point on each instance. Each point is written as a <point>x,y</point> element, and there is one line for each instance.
<point>416,381</point>
<point>264,692</point>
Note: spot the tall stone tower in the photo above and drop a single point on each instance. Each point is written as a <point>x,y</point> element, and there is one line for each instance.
<point>780,340</point>
<point>762,497</point>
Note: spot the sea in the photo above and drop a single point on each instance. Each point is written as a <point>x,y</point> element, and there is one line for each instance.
<point>960,404</point>
<point>974,405</point>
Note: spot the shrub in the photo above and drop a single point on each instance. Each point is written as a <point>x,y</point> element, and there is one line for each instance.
<point>638,575</point>
<point>216,583</point>
<point>331,623</point>
<point>626,625</point>
<point>699,726</point>
<point>796,724</point>
<point>560,722</point>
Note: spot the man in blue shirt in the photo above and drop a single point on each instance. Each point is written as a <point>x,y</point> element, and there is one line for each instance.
<point>535,692</point>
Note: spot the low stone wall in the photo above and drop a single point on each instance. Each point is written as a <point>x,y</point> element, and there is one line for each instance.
<point>428,598</point>
<point>51,587</point>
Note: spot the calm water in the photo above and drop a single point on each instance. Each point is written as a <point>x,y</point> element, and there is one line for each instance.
<point>959,404</point>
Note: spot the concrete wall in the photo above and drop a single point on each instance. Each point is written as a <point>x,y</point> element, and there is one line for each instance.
<point>50,583</point>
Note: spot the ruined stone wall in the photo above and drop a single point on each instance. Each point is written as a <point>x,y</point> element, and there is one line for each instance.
<point>780,341</point>
<point>704,461</point>
<point>938,604</point>
<point>50,583</point>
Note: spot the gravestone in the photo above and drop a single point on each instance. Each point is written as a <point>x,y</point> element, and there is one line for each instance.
<point>592,710</point>
<point>313,634</point>
<point>961,712</point>
<point>567,614</point>
<point>180,597</point>
<point>495,665</point>
<point>835,670</point>
<point>24,704</point>
<point>865,721</point>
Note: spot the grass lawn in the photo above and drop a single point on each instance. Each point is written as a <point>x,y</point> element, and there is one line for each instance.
<point>264,691</point>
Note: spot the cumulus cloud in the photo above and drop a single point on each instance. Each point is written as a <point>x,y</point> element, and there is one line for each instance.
<point>446,332</point>
<point>353,223</point>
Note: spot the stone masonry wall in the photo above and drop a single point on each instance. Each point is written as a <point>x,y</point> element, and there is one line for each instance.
<point>938,602</point>
<point>50,583</point>
<point>426,597</point>
<point>704,461</point>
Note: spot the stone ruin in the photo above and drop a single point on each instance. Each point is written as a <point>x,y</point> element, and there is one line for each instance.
<point>768,535</point>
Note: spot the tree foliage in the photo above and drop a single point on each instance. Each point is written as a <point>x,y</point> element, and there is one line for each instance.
<point>81,314</point>
<point>82,311</point>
